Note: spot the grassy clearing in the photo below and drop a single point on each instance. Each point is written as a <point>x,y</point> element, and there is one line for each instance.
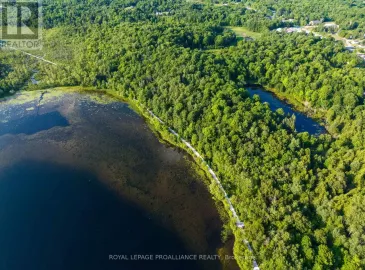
<point>243,32</point>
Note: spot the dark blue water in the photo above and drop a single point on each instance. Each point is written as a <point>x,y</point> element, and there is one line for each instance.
<point>61,208</point>
<point>34,123</point>
<point>54,217</point>
<point>303,123</point>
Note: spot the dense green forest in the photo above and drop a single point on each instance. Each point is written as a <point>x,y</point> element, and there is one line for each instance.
<point>301,197</point>
<point>15,72</point>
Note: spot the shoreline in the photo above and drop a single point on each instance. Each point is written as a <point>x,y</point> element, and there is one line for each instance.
<point>168,136</point>
<point>170,193</point>
<point>164,135</point>
<point>170,140</point>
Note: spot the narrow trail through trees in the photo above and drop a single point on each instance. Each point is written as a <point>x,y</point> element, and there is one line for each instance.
<point>239,223</point>
<point>34,56</point>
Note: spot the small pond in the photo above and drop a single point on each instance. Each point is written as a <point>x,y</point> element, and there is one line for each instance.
<point>303,122</point>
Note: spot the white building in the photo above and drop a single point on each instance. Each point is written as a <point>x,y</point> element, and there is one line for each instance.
<point>316,22</point>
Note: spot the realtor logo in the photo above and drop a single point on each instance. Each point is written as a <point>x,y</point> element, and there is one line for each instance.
<point>21,24</point>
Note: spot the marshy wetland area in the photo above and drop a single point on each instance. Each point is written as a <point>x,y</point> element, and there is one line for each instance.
<point>83,177</point>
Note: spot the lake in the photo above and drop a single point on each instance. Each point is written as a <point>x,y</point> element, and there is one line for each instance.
<point>82,178</point>
<point>303,122</point>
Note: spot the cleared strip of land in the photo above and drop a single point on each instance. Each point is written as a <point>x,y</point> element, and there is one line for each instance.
<point>239,223</point>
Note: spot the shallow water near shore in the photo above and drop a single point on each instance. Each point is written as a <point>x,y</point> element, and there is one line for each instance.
<point>82,177</point>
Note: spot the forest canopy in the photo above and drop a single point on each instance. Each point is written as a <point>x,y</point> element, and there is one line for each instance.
<point>301,197</point>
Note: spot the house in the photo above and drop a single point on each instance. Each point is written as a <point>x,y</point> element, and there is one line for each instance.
<point>240,224</point>
<point>162,13</point>
<point>288,20</point>
<point>313,23</point>
<point>293,30</point>
<point>330,24</point>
